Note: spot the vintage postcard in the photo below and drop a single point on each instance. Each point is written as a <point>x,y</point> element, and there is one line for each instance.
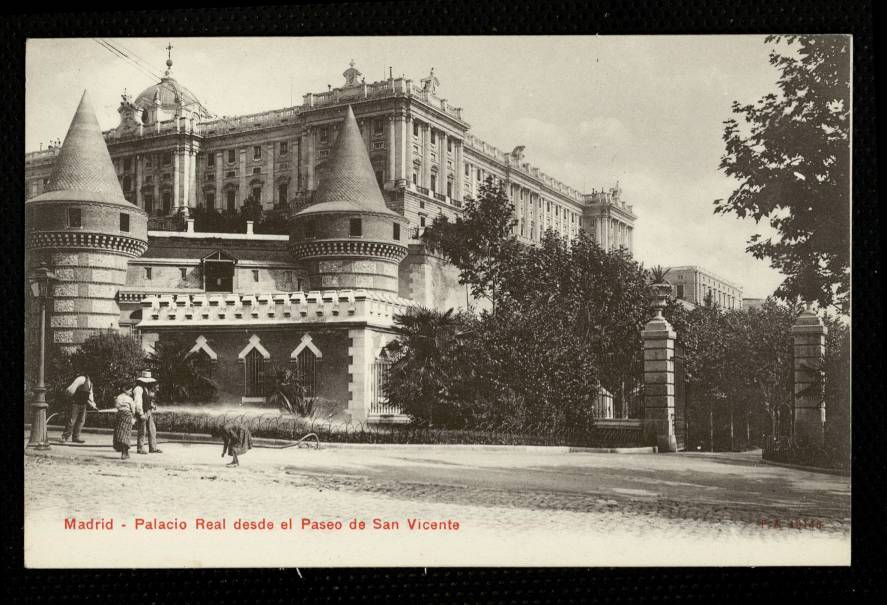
<point>437,301</point>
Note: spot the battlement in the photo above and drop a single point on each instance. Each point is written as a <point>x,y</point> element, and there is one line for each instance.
<point>327,306</point>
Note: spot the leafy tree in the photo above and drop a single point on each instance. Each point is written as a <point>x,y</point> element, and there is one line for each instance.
<point>112,360</point>
<point>479,241</point>
<point>790,153</point>
<point>182,376</point>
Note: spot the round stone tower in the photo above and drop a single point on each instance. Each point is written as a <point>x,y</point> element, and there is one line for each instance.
<point>86,231</point>
<point>348,238</point>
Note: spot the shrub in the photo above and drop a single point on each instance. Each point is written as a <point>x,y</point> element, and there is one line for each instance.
<point>182,376</point>
<point>111,360</point>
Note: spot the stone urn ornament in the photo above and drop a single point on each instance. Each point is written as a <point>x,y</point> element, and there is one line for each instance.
<point>661,289</point>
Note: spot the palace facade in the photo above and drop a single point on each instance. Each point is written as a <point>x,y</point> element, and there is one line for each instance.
<point>360,170</point>
<point>171,155</point>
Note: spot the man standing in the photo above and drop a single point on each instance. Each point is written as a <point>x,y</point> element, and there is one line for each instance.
<point>143,395</point>
<point>81,394</point>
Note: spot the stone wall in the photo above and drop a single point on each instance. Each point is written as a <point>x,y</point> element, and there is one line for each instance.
<point>279,342</point>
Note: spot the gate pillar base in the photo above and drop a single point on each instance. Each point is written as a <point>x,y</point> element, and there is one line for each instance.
<point>659,395</point>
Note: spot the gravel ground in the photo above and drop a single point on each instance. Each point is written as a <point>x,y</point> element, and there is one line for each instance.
<point>514,507</point>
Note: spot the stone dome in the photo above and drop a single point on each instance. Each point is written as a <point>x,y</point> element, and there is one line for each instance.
<point>172,96</point>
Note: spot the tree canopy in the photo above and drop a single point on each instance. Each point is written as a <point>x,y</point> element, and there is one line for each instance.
<point>790,153</point>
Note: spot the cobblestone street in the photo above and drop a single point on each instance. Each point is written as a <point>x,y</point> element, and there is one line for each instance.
<point>517,495</point>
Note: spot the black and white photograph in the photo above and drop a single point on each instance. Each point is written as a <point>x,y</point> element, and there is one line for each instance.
<point>437,301</point>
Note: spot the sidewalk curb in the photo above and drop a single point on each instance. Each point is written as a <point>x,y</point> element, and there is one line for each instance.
<point>202,438</point>
<point>812,469</point>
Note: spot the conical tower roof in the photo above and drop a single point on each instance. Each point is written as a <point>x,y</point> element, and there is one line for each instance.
<point>347,182</point>
<point>83,170</point>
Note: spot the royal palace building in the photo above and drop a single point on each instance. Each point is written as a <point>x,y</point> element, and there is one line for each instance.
<point>359,170</point>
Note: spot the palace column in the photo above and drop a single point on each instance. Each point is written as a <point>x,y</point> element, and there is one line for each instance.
<point>242,181</point>
<point>426,156</point>
<point>391,177</point>
<point>138,162</point>
<point>442,163</point>
<point>460,170</point>
<point>310,161</point>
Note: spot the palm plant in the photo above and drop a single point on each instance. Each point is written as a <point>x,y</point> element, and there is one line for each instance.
<point>421,372</point>
<point>182,376</point>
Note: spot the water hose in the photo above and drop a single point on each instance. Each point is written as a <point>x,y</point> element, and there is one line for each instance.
<point>298,443</point>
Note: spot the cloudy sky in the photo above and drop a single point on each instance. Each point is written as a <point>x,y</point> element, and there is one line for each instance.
<point>646,111</point>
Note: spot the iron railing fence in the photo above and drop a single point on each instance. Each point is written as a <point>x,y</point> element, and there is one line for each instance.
<point>285,426</point>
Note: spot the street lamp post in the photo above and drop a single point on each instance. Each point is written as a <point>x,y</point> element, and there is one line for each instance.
<point>41,284</point>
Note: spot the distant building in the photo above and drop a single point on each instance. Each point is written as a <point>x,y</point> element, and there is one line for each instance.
<point>753,303</point>
<point>694,284</point>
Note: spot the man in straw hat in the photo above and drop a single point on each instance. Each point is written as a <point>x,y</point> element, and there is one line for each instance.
<point>143,395</point>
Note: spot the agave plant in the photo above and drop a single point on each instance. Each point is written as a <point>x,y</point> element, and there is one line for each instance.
<point>286,391</point>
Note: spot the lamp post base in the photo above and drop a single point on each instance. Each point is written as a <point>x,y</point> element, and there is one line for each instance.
<point>39,438</point>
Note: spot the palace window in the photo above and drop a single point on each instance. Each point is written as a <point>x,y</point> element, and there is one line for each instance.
<point>450,188</point>
<point>147,272</point>
<point>449,145</point>
<point>167,202</point>
<point>377,126</point>
<point>231,156</point>
<point>166,159</point>
<point>74,217</point>
<point>284,148</point>
<point>149,204</point>
<point>307,356</point>
<point>257,194</point>
<point>282,193</point>
<point>396,233</point>
<point>421,221</point>
<point>433,183</point>
<point>183,272</point>
<point>231,200</point>
<point>127,164</point>
<point>257,170</point>
<point>324,135</point>
<point>257,152</point>
<point>127,183</point>
<point>256,275</point>
<point>124,221</point>
<point>210,201</point>
<point>433,139</point>
<point>416,129</point>
<point>356,227</point>
<point>149,161</point>
<point>415,179</point>
<point>467,169</point>
<point>211,159</point>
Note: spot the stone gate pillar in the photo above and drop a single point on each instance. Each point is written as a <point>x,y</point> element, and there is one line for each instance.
<point>808,334</point>
<point>659,408</point>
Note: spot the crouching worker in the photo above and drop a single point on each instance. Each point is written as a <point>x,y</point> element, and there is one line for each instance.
<point>236,441</point>
<point>125,418</point>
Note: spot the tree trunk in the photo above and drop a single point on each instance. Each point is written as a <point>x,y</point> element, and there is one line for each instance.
<point>732,446</point>
<point>711,427</point>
